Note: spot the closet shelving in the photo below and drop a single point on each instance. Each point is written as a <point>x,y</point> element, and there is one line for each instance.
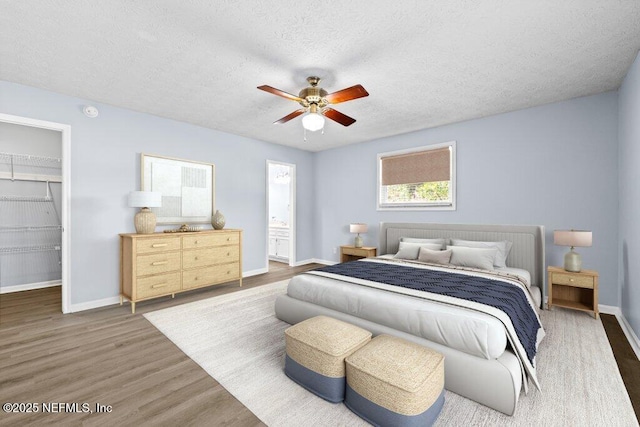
<point>30,226</point>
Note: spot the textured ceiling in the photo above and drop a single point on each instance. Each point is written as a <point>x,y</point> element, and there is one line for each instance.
<point>424,63</point>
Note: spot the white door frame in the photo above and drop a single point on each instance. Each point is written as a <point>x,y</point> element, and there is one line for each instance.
<point>65,131</point>
<point>292,211</point>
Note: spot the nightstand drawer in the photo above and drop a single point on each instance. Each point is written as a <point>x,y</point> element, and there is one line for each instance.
<point>355,251</point>
<point>573,280</point>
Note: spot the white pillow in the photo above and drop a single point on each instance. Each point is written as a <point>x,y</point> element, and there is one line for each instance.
<point>473,257</point>
<point>411,250</point>
<point>503,248</point>
<point>441,242</point>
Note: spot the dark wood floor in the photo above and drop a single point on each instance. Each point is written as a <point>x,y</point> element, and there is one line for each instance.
<point>108,356</point>
<point>111,357</point>
<point>626,358</point>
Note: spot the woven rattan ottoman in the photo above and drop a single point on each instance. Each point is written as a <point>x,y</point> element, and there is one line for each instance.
<point>316,349</point>
<point>394,382</point>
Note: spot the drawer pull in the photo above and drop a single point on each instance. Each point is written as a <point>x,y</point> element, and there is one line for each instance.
<point>195,278</point>
<point>228,239</point>
<point>228,253</point>
<point>159,245</point>
<point>195,258</point>
<point>196,242</point>
<point>571,280</point>
<point>160,263</point>
<point>159,285</point>
<point>228,272</point>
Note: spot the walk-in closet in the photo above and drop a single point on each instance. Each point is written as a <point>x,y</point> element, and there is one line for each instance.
<point>30,207</point>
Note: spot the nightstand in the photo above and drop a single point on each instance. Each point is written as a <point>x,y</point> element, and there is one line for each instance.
<point>577,291</point>
<point>351,253</point>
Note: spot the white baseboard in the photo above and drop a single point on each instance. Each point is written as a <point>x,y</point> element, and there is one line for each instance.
<point>94,304</point>
<point>609,309</point>
<point>325,262</point>
<point>29,286</point>
<point>314,261</point>
<point>254,272</point>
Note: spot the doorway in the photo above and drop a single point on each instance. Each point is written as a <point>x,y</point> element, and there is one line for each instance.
<point>281,200</point>
<point>34,192</point>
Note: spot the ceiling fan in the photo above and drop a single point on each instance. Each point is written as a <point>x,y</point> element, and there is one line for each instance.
<point>315,101</point>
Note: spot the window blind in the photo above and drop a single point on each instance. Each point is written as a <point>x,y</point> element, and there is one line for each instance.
<point>411,168</point>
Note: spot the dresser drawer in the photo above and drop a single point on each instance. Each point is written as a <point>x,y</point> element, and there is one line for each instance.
<point>572,280</point>
<point>157,263</point>
<point>210,256</point>
<point>207,240</point>
<point>210,275</point>
<point>161,284</point>
<point>157,244</point>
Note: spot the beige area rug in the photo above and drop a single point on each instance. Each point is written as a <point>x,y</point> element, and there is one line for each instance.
<point>237,339</point>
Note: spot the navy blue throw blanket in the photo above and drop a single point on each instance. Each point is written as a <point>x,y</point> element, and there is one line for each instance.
<point>503,296</point>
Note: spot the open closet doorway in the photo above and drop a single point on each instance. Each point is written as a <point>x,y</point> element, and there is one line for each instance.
<point>281,209</point>
<point>34,206</point>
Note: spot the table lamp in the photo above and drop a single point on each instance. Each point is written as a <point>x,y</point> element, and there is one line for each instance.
<point>358,228</point>
<point>572,238</point>
<point>145,220</point>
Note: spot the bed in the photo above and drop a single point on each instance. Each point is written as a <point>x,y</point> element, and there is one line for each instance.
<point>483,361</point>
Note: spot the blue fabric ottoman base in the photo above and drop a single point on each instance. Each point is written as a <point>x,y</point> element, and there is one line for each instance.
<point>382,417</point>
<point>328,388</point>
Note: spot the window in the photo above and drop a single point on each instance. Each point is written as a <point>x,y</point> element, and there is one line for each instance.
<point>421,178</point>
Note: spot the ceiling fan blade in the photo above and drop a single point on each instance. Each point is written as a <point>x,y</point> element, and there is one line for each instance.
<point>337,116</point>
<point>289,116</point>
<point>353,92</point>
<point>279,92</point>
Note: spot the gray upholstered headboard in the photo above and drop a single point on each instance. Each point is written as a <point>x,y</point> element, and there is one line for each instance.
<point>527,251</point>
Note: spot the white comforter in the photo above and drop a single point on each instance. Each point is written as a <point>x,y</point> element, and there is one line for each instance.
<point>462,325</point>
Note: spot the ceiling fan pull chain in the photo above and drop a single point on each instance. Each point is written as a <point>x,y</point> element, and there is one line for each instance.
<point>305,134</point>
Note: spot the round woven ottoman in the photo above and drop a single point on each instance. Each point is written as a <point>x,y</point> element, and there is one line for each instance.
<point>394,382</point>
<point>316,349</point>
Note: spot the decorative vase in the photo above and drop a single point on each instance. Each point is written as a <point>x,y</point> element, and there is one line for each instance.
<point>218,221</point>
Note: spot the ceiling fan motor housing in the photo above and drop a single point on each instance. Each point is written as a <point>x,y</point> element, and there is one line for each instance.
<point>313,95</point>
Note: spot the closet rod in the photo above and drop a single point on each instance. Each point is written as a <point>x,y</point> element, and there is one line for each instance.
<point>30,157</point>
<point>30,227</point>
<point>32,178</point>
<point>26,249</point>
<point>25,199</point>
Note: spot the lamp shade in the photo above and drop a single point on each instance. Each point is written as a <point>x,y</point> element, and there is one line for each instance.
<point>358,228</point>
<point>313,122</point>
<point>574,238</point>
<point>145,199</point>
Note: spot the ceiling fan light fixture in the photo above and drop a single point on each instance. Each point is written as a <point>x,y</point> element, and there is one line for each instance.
<point>313,122</point>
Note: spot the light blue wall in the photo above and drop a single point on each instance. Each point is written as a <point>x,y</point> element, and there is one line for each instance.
<point>629,147</point>
<point>553,165</point>
<point>105,166</point>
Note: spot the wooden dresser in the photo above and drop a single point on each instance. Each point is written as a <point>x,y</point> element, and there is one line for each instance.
<point>161,264</point>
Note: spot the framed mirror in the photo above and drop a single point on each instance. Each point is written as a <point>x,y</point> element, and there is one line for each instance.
<point>187,188</point>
